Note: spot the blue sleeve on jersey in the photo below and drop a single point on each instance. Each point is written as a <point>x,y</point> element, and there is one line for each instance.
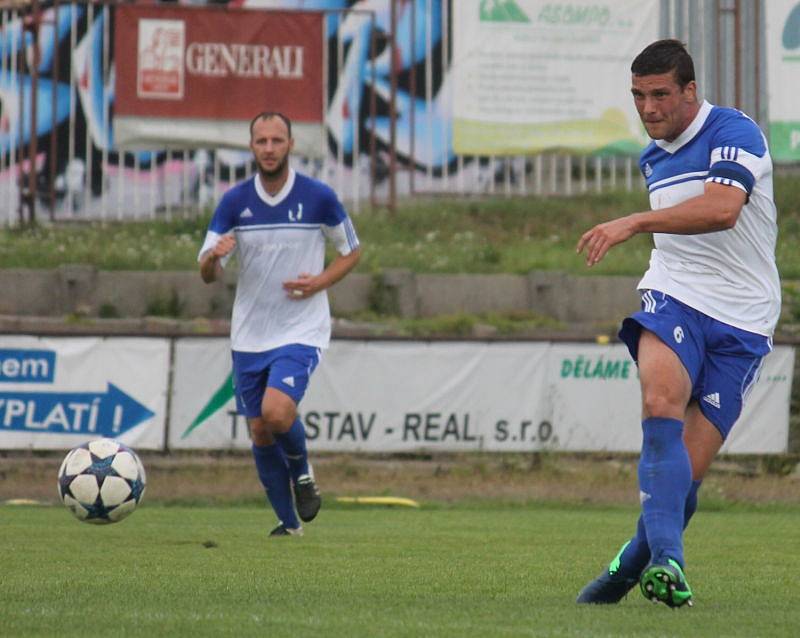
<point>334,213</point>
<point>737,131</point>
<point>735,172</point>
<point>223,219</point>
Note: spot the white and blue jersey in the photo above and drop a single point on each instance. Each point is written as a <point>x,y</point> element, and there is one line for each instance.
<point>278,237</point>
<point>729,275</point>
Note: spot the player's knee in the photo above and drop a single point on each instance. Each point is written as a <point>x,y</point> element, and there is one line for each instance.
<point>278,419</point>
<point>260,433</point>
<point>661,404</point>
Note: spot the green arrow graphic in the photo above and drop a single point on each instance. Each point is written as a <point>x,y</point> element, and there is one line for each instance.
<point>220,398</point>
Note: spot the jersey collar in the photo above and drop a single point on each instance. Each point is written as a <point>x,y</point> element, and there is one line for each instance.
<point>277,198</point>
<point>684,138</point>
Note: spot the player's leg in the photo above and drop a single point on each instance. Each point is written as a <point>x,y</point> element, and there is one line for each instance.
<point>250,376</point>
<point>731,366</point>
<point>288,380</point>
<point>664,471</point>
<point>273,472</point>
<point>702,441</point>
<point>669,346</point>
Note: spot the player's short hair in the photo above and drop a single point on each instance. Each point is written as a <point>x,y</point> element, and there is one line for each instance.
<point>268,115</point>
<point>664,56</point>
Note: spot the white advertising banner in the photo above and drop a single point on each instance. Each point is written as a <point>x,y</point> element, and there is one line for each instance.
<point>531,75</point>
<point>595,402</point>
<point>379,397</point>
<point>447,396</point>
<point>594,398</point>
<point>57,393</point>
<point>783,76</point>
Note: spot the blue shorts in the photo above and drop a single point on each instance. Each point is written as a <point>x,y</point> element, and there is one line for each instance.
<point>287,369</point>
<point>723,362</point>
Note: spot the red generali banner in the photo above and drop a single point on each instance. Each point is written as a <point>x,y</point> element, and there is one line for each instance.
<point>212,66</point>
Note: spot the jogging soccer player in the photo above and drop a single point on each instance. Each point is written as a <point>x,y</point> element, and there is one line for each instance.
<point>710,302</point>
<point>278,222</point>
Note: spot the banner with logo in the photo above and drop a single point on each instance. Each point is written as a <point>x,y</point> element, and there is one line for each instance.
<point>57,393</point>
<point>412,396</point>
<point>196,76</point>
<point>379,397</point>
<point>531,75</point>
<point>783,64</point>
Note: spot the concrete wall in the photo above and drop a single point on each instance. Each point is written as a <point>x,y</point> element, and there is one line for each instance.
<point>84,291</point>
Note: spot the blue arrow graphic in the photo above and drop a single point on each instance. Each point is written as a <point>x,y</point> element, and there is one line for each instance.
<point>106,414</point>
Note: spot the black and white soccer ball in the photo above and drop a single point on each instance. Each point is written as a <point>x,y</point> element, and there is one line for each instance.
<point>101,481</point>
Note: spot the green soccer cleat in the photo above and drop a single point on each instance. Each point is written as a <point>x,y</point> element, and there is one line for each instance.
<point>666,584</point>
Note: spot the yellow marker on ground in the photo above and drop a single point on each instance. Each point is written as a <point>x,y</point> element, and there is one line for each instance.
<point>378,500</point>
<point>23,501</point>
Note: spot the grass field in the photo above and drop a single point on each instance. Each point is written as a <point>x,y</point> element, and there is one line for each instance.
<point>464,570</point>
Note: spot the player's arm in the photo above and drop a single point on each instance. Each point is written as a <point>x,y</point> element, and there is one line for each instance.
<point>716,209</point>
<point>338,229</point>
<point>211,260</point>
<point>219,242</point>
<point>306,285</point>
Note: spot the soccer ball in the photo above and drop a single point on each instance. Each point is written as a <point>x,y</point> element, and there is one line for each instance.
<point>101,481</point>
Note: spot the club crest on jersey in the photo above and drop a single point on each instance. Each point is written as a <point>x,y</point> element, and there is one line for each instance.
<point>296,217</point>
<point>648,170</point>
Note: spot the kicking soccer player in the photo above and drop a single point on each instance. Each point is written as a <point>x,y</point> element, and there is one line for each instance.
<point>278,222</point>
<point>710,302</point>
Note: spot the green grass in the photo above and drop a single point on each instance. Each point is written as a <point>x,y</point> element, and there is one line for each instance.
<point>440,571</point>
<point>444,235</point>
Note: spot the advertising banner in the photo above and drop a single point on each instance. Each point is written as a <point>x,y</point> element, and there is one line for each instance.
<point>380,397</point>
<point>196,76</point>
<point>411,396</point>
<point>783,64</point>
<point>57,393</point>
<point>593,392</point>
<point>531,75</point>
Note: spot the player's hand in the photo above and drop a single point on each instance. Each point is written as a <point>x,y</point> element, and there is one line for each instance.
<point>224,246</point>
<point>301,288</point>
<point>598,240</point>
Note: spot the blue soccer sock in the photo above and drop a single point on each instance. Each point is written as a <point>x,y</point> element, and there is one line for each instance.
<point>274,475</point>
<point>293,444</point>
<point>665,478</point>
<point>636,554</point>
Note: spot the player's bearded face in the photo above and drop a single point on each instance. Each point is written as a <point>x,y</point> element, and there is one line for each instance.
<point>273,167</point>
<point>665,108</point>
<point>271,145</point>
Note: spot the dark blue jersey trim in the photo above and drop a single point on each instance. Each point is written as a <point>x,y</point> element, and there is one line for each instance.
<point>735,172</point>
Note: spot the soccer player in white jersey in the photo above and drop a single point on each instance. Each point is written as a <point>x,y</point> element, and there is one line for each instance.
<point>710,302</point>
<point>278,222</point>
